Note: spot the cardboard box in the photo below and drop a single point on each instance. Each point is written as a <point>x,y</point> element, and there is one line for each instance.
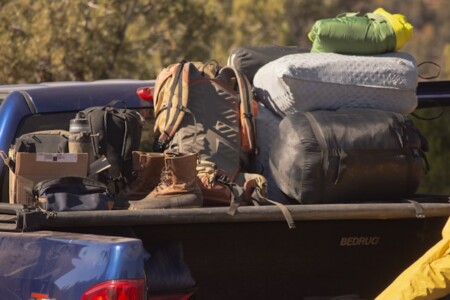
<point>34,167</point>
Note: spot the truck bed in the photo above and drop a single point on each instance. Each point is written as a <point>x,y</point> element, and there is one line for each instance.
<point>335,249</point>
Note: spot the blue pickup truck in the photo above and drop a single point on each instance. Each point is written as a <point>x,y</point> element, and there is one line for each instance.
<point>347,250</point>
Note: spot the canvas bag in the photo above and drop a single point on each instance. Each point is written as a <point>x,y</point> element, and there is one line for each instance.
<point>115,133</point>
<point>205,109</point>
<point>71,193</point>
<point>48,141</point>
<point>348,155</point>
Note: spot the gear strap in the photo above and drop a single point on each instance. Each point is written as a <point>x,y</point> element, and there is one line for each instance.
<point>258,199</point>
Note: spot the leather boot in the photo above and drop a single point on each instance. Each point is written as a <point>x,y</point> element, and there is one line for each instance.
<point>148,167</point>
<point>178,186</point>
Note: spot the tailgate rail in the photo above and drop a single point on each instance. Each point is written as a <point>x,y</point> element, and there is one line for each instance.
<point>14,217</point>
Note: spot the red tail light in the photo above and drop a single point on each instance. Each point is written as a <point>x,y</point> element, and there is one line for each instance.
<point>145,93</point>
<point>117,290</point>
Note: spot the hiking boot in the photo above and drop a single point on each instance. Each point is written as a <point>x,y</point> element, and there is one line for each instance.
<point>178,186</point>
<point>148,167</point>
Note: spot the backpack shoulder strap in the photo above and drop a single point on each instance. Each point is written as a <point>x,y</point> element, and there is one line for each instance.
<point>173,102</point>
<point>161,80</point>
<point>97,125</point>
<point>247,111</point>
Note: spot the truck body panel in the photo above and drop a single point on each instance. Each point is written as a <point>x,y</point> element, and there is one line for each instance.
<point>335,249</point>
<point>47,262</point>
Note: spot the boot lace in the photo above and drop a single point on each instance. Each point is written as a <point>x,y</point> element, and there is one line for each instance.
<point>165,179</point>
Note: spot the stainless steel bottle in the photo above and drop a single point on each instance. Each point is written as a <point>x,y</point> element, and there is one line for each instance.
<point>80,137</point>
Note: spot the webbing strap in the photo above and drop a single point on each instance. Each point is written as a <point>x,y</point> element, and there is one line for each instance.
<point>420,214</point>
<point>8,161</point>
<point>107,110</point>
<point>179,95</point>
<point>176,90</point>
<point>259,198</point>
<point>236,192</point>
<point>194,140</point>
<point>175,83</point>
<point>247,108</point>
<point>236,197</point>
<point>94,137</point>
<point>122,154</point>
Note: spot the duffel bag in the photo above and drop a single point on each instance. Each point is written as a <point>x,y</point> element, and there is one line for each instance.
<point>71,193</point>
<point>249,59</point>
<point>349,155</point>
<point>313,81</point>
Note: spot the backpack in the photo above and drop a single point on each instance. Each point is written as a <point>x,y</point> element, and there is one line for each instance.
<point>205,109</point>
<point>115,134</point>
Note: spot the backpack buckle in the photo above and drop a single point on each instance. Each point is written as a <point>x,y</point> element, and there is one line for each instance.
<point>159,146</point>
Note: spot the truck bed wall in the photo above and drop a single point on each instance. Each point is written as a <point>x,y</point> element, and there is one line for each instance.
<point>320,258</point>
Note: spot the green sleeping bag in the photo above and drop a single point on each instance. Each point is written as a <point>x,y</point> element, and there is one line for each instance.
<point>350,33</point>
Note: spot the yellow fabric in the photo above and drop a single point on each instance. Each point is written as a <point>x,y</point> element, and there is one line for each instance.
<point>403,30</point>
<point>427,278</point>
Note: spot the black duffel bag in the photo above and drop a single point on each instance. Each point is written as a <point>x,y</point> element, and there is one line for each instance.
<point>249,59</point>
<point>71,193</point>
<point>348,156</point>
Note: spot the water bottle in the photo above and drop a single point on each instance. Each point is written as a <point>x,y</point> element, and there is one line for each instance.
<point>80,137</point>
